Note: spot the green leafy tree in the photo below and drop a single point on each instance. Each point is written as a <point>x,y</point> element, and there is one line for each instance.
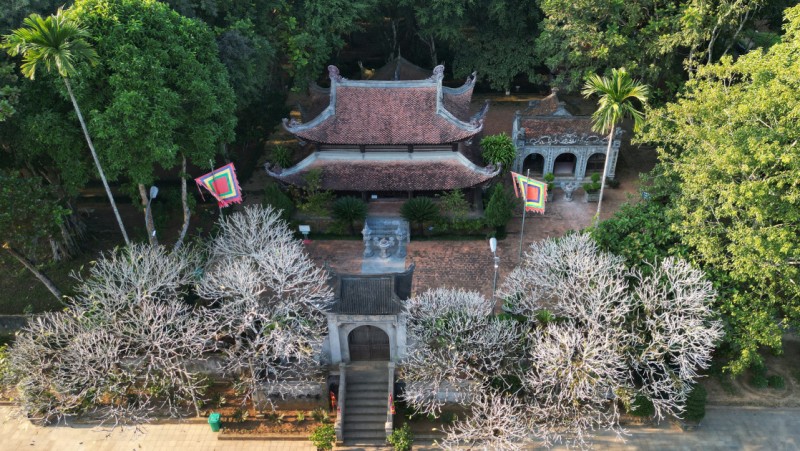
<point>350,210</point>
<point>155,102</point>
<point>730,143</point>
<point>30,213</point>
<point>616,103</point>
<point>419,210</point>
<point>650,38</point>
<point>9,93</point>
<point>275,197</point>
<point>499,149</point>
<point>57,43</point>
<point>499,210</point>
<point>494,37</point>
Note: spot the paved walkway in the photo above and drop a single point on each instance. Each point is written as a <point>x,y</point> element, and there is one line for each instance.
<point>723,429</point>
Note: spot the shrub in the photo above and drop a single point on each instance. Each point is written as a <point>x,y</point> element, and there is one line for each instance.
<point>401,439</point>
<point>550,178</point>
<point>282,156</point>
<point>419,210</point>
<point>350,210</point>
<point>301,416</point>
<point>454,205</point>
<point>776,381</point>
<point>499,149</point>
<point>277,199</point>
<point>759,372</point>
<point>499,210</point>
<point>311,197</point>
<point>612,183</point>
<point>594,185</point>
<point>323,436</point>
<point>319,414</point>
<point>696,404</point>
<point>642,407</point>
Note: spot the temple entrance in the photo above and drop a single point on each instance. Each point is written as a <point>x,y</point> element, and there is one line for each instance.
<point>565,165</point>
<point>535,163</point>
<point>368,343</point>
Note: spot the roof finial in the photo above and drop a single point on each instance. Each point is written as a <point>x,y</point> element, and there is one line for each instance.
<point>438,73</point>
<point>333,73</point>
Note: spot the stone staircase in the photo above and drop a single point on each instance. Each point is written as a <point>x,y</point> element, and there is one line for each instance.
<point>366,404</point>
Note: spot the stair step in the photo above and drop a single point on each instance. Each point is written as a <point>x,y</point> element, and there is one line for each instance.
<point>365,435</point>
<point>356,388</point>
<point>383,391</point>
<point>376,445</point>
<point>356,417</point>
<point>366,402</point>
<point>364,410</point>
<point>367,379</point>
<point>384,385</point>
<point>372,394</point>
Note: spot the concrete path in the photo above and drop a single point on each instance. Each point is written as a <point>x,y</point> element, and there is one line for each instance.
<point>723,429</point>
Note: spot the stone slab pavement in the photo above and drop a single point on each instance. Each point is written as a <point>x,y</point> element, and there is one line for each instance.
<point>724,429</point>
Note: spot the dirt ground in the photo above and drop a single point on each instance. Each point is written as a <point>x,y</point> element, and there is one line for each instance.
<point>723,390</point>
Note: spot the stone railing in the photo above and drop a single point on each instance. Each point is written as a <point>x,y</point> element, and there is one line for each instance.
<point>390,402</point>
<point>338,425</point>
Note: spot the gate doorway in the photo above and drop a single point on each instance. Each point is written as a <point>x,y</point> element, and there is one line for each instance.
<point>368,343</point>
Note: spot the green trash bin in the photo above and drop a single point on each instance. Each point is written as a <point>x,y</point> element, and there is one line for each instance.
<point>214,422</point>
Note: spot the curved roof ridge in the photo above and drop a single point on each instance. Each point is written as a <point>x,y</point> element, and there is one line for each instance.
<point>416,103</point>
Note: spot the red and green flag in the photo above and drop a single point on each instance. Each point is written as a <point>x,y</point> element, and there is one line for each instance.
<point>534,192</point>
<point>222,184</point>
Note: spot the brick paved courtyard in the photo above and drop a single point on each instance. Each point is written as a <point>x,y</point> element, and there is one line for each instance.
<point>468,264</point>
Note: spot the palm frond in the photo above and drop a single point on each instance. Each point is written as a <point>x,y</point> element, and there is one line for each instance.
<point>616,94</point>
<point>56,42</point>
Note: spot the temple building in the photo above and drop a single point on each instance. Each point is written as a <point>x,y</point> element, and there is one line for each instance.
<point>391,137</point>
<point>550,139</point>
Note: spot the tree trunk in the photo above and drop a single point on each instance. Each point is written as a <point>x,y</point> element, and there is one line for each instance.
<point>39,275</point>
<point>184,201</point>
<point>148,216</point>
<point>96,161</point>
<point>605,174</point>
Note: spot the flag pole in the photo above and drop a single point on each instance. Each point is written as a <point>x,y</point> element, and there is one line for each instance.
<point>524,210</point>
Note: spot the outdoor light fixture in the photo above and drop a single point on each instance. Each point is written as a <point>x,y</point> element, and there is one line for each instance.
<point>496,259</point>
<point>153,194</point>
<point>305,230</point>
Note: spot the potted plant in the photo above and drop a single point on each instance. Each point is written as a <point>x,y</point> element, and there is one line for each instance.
<point>549,178</point>
<point>593,188</point>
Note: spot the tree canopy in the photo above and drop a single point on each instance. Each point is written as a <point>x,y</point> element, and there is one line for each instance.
<point>158,91</point>
<point>730,142</point>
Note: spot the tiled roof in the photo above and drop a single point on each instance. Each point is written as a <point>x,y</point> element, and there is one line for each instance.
<point>388,112</point>
<point>556,125</point>
<point>457,100</point>
<point>543,107</point>
<point>420,171</point>
<point>367,295</point>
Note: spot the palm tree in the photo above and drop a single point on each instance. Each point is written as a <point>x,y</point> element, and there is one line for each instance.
<point>57,43</point>
<point>615,104</point>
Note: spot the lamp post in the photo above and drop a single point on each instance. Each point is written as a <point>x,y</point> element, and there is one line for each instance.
<point>496,259</point>
<point>305,230</point>
<point>148,214</point>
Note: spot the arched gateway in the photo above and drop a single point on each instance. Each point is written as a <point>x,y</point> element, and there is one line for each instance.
<point>368,343</point>
<point>367,322</point>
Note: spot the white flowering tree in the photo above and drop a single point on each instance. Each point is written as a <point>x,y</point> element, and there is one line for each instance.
<point>589,337</point>
<point>121,351</point>
<point>268,300</point>
<point>458,347</point>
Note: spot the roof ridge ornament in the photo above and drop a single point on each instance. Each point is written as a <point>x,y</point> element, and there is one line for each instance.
<point>438,73</point>
<point>333,74</point>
